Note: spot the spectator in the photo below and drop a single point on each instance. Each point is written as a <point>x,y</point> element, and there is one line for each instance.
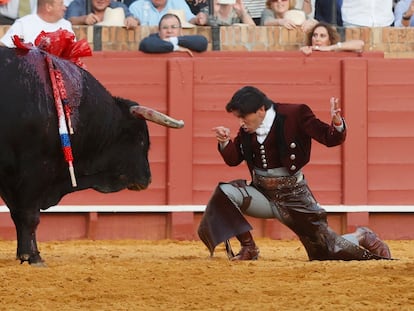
<point>403,13</point>
<point>12,9</point>
<point>323,37</point>
<point>170,38</point>
<point>283,13</point>
<point>367,13</point>
<point>77,14</point>
<point>228,12</point>
<point>49,18</point>
<point>149,12</point>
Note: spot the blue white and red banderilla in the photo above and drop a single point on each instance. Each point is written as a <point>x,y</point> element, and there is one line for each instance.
<point>63,113</point>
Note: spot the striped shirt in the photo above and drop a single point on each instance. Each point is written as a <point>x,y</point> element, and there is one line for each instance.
<point>255,7</point>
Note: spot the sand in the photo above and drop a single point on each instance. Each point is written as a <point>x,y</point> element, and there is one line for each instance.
<point>180,275</point>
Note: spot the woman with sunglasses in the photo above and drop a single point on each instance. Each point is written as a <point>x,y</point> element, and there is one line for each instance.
<point>283,13</point>
<point>323,37</point>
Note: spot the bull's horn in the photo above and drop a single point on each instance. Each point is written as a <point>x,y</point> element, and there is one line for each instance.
<point>156,117</point>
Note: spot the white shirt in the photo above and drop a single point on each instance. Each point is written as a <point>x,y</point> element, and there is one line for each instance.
<point>264,128</point>
<point>30,26</point>
<point>369,13</point>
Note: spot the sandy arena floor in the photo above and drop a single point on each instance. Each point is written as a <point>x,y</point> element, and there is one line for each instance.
<point>171,275</point>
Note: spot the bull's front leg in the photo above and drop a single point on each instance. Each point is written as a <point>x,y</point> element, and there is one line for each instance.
<point>26,222</point>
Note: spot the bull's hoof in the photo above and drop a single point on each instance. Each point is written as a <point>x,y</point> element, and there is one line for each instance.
<point>34,260</point>
<point>23,258</point>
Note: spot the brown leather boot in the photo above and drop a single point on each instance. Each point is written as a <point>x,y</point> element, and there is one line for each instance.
<point>369,240</point>
<point>249,250</point>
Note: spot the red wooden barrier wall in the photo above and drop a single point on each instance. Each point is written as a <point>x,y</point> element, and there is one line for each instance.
<point>371,168</point>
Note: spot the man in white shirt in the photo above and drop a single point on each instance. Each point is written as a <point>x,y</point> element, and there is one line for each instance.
<point>49,18</point>
<point>367,13</point>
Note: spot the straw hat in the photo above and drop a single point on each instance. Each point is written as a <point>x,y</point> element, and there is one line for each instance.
<point>181,15</point>
<point>113,17</point>
<point>296,16</point>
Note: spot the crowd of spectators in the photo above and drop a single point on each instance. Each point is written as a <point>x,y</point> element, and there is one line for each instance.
<point>347,13</point>
<point>290,14</point>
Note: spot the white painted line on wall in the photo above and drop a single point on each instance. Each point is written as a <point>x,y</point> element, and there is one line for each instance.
<point>201,208</point>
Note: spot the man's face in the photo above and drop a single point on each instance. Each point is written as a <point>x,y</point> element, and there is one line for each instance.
<point>159,3</point>
<point>170,27</point>
<point>280,7</point>
<point>100,5</point>
<point>57,10</point>
<point>251,121</point>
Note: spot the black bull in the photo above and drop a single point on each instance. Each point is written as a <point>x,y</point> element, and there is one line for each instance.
<point>110,141</point>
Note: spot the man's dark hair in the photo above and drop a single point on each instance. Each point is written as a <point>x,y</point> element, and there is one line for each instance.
<point>248,100</point>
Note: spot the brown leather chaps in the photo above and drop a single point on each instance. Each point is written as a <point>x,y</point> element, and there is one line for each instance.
<point>221,221</point>
<point>298,210</point>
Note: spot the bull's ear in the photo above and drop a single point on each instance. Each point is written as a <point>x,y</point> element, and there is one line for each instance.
<point>156,117</point>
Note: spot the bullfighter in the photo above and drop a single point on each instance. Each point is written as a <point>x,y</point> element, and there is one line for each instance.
<point>275,141</point>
